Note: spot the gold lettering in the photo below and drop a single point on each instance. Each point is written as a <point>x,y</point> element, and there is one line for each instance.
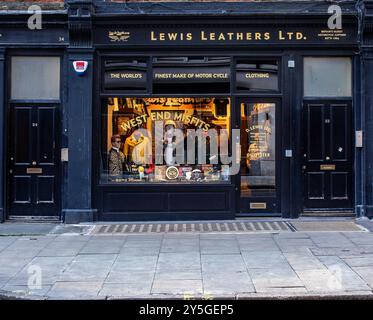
<point>133,122</point>
<point>299,35</point>
<point>221,37</point>
<point>178,116</point>
<point>167,115</point>
<point>230,35</point>
<point>173,36</point>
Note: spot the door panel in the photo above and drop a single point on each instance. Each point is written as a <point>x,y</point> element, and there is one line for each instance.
<point>22,139</point>
<point>45,189</point>
<point>33,161</point>
<point>21,189</point>
<point>316,147</point>
<point>339,185</point>
<point>339,123</point>
<point>327,159</point>
<point>45,136</point>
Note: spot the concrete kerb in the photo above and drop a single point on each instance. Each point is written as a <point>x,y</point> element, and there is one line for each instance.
<point>250,296</point>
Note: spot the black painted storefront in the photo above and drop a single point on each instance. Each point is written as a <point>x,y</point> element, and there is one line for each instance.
<point>96,32</point>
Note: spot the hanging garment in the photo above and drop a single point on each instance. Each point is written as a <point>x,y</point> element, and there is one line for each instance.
<point>116,160</point>
<point>138,150</point>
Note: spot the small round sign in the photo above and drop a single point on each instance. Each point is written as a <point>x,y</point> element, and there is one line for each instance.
<point>172,173</point>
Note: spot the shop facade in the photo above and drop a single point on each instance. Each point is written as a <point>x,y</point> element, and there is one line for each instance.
<point>120,112</point>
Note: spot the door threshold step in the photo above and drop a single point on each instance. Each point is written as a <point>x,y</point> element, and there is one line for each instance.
<point>328,214</point>
<point>33,219</point>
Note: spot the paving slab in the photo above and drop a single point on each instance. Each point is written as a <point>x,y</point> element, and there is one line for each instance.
<point>75,290</point>
<point>86,268</point>
<point>283,278</point>
<point>320,280</point>
<point>11,228</point>
<point>219,263</point>
<point>140,251</point>
<point>218,283</point>
<point>10,266</point>
<point>143,263</point>
<point>174,261</point>
<point>26,246</point>
<point>341,252</point>
<point>360,238</point>
<point>62,248</point>
<point>49,268</point>
<point>179,248</point>
<point>366,273</point>
<point>176,287</point>
<point>331,239</point>
<point>264,260</point>
<point>118,275</point>
<point>349,279</point>
<point>95,246</point>
<point>132,290</point>
<point>217,236</point>
<point>303,260</point>
<point>360,261</point>
<point>25,290</point>
<point>179,275</point>
<point>6,241</point>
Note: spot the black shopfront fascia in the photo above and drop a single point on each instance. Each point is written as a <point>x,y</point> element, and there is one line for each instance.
<point>218,201</point>
<point>85,40</point>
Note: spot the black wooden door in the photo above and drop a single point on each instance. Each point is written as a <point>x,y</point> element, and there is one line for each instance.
<point>328,159</point>
<point>33,161</point>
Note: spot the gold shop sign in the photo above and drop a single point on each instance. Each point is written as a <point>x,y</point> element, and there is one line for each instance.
<point>187,35</point>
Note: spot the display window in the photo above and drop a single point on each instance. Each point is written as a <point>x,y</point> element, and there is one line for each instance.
<point>165,140</point>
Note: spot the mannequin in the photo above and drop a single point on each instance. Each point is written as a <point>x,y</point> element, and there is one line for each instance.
<point>170,127</point>
<point>137,148</point>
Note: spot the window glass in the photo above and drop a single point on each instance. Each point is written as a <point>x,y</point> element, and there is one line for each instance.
<point>256,75</point>
<point>165,140</point>
<point>191,74</point>
<point>327,77</point>
<point>258,149</point>
<point>35,78</point>
<point>125,74</point>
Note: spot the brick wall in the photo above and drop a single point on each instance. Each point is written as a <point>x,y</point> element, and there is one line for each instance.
<point>23,5</point>
<point>29,1</point>
<point>58,4</point>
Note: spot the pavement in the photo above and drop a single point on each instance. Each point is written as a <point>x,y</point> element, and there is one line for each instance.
<point>56,261</point>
